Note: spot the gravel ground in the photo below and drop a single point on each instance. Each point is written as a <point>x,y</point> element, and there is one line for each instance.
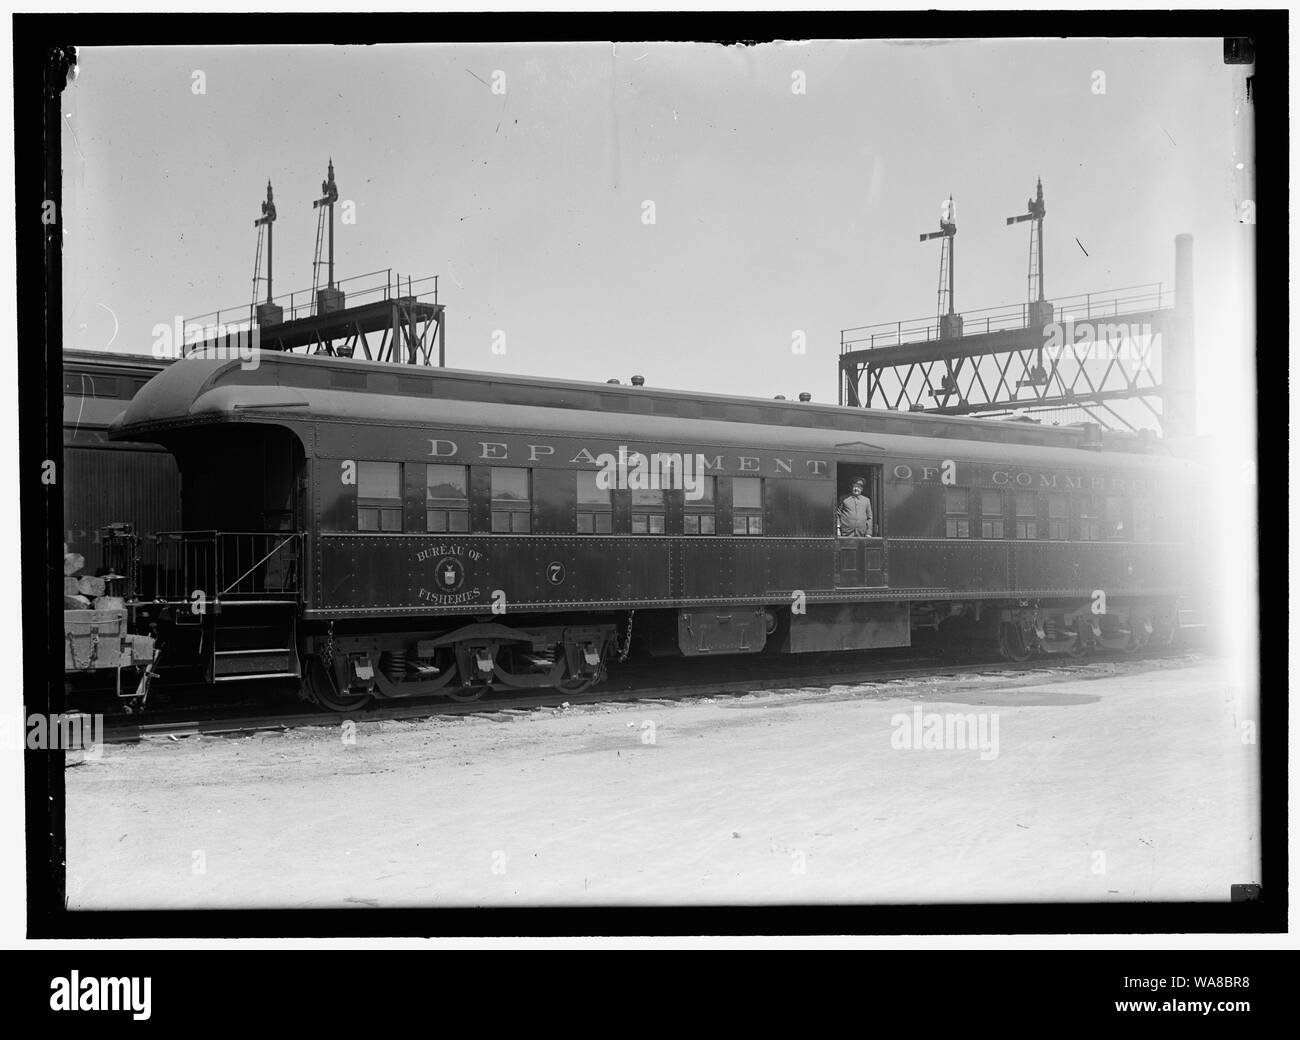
<point>1130,782</point>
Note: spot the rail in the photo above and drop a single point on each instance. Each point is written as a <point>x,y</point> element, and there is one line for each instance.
<point>1082,306</point>
<point>301,303</point>
<point>228,565</point>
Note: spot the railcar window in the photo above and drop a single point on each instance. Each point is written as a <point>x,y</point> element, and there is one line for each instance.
<point>1026,514</point>
<point>1168,518</point>
<point>701,513</point>
<point>379,496</point>
<point>1142,513</point>
<point>91,385</point>
<point>1117,528</point>
<point>647,511</point>
<point>991,519</point>
<point>595,505</point>
<point>1058,518</point>
<point>956,509</point>
<point>1089,519</point>
<point>511,500</point>
<point>747,505</point>
<point>447,498</point>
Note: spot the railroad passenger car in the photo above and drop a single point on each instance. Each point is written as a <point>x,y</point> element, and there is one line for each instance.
<point>386,530</point>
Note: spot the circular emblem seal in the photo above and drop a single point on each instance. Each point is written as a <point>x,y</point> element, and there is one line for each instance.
<point>449,574</point>
<point>555,572</point>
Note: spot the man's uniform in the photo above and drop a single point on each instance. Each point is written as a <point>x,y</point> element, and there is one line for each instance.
<point>855,514</point>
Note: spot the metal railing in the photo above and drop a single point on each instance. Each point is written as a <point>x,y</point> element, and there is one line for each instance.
<point>360,290</point>
<point>228,565</point>
<point>1109,303</point>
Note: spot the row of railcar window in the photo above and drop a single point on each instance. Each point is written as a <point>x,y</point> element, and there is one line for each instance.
<point>1054,515</point>
<point>383,493</point>
<point>459,499</point>
<point>1059,516</point>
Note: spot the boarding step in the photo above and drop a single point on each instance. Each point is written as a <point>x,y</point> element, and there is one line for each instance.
<point>252,637</point>
<point>253,662</point>
<point>254,650</point>
<point>257,644</point>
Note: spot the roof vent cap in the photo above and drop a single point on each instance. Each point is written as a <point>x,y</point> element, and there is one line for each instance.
<point>638,380</point>
<point>805,397</point>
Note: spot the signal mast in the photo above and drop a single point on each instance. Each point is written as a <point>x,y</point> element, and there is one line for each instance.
<point>268,313</point>
<point>1040,311</point>
<point>328,299</point>
<point>1037,300</point>
<point>949,320</point>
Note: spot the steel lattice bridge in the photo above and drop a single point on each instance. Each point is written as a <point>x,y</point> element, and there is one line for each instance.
<point>1084,353</point>
<point>381,317</point>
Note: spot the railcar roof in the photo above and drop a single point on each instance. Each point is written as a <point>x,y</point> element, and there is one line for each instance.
<point>306,388</point>
<point>97,384</point>
<point>103,360</point>
<point>90,412</point>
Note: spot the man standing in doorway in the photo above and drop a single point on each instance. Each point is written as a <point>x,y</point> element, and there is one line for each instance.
<point>855,513</point>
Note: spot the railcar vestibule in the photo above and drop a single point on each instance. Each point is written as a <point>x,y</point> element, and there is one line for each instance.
<point>251,478</point>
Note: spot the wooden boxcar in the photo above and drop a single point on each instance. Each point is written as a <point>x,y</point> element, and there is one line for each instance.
<point>121,487</point>
<point>109,482</point>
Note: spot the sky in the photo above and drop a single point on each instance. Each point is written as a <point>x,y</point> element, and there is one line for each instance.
<point>775,212</point>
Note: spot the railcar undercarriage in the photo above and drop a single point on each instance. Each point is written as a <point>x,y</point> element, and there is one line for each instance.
<point>344,664</point>
<point>345,668</point>
<point>1068,628</point>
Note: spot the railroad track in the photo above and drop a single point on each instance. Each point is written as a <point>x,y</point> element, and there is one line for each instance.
<point>504,706</point>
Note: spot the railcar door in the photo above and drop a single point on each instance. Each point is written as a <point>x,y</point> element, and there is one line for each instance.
<point>861,564</point>
<point>861,560</point>
<point>283,487</point>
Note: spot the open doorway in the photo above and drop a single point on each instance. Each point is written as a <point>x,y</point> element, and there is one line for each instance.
<point>860,555</point>
<point>851,510</point>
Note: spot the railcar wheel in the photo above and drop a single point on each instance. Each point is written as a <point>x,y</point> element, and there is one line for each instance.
<point>576,683</point>
<point>466,694</point>
<point>571,683</point>
<point>1137,640</point>
<point>322,689</point>
<point>475,687</point>
<point>1169,634</point>
<point>1011,641</point>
